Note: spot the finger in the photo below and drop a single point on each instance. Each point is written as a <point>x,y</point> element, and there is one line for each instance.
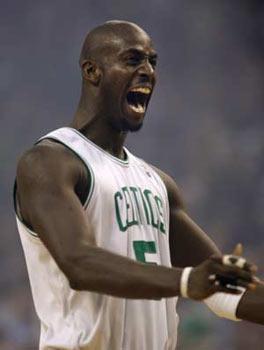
<point>258,280</point>
<point>250,286</point>
<point>251,267</point>
<point>228,290</point>
<point>232,272</point>
<point>232,260</point>
<point>217,280</point>
<point>238,250</point>
<point>235,284</point>
<point>227,282</point>
<point>212,277</point>
<point>230,287</point>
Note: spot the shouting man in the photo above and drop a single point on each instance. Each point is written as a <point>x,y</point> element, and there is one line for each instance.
<point>108,244</point>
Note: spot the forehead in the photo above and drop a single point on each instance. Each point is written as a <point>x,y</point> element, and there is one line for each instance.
<point>130,39</point>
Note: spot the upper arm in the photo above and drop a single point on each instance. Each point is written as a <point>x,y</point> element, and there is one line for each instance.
<point>189,244</point>
<point>46,180</point>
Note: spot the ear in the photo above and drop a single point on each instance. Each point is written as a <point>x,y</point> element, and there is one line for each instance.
<point>91,72</point>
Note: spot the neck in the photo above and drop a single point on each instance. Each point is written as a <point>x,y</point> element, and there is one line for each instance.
<point>95,127</point>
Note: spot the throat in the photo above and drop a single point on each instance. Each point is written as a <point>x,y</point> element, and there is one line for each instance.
<point>108,139</point>
<point>103,132</point>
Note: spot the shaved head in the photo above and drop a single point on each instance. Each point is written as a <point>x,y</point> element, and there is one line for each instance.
<point>107,35</point>
<point>118,75</point>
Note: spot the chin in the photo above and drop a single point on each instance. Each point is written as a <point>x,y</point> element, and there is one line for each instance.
<point>132,127</point>
<point>124,125</point>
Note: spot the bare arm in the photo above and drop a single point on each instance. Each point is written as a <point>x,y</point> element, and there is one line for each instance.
<point>189,246</point>
<point>46,178</point>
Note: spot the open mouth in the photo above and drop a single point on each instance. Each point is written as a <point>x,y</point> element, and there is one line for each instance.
<point>138,98</point>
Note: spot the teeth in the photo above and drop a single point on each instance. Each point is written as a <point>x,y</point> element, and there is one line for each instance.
<point>138,108</point>
<point>143,90</point>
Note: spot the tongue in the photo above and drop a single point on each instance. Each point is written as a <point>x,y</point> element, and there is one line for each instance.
<point>137,108</point>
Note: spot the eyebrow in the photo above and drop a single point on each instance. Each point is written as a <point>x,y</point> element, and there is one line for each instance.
<point>140,52</point>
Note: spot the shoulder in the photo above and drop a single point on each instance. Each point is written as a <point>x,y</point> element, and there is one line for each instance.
<point>48,161</point>
<point>174,193</point>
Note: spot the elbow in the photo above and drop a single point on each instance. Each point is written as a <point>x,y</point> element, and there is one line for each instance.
<point>74,279</point>
<point>78,279</point>
<point>78,283</point>
<point>67,265</point>
<point>75,284</point>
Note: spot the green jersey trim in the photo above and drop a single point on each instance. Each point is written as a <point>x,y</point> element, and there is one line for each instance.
<point>118,160</point>
<point>32,233</point>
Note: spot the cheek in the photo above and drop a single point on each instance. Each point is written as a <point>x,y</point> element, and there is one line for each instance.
<point>110,101</point>
<point>117,76</point>
<point>114,87</point>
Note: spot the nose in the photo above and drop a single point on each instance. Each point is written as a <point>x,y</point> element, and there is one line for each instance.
<point>146,70</point>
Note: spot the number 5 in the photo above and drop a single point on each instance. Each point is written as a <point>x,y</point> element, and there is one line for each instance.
<point>145,251</point>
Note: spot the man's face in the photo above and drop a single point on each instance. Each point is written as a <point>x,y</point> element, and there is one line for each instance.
<point>128,80</point>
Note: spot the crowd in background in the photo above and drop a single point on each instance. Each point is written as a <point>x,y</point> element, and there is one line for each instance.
<point>204,127</point>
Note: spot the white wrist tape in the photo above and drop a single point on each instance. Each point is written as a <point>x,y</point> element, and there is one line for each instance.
<point>184,281</point>
<point>224,305</point>
<point>233,260</point>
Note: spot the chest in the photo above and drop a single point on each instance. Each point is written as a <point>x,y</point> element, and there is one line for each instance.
<point>130,196</point>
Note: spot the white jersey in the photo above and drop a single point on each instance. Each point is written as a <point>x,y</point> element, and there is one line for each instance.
<point>128,209</point>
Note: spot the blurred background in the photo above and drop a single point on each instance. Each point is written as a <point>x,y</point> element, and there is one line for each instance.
<point>204,127</point>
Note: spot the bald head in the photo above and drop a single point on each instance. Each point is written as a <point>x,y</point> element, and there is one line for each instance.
<point>109,35</point>
<point>117,57</point>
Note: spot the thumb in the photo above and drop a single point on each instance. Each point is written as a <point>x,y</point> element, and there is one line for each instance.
<point>238,250</point>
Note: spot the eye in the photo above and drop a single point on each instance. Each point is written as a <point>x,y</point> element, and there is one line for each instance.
<point>133,60</point>
<point>153,61</point>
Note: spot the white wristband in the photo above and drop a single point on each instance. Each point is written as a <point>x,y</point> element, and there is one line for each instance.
<point>184,281</point>
<point>225,305</point>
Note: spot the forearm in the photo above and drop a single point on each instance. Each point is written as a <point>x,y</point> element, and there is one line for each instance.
<point>251,306</point>
<point>103,272</point>
<point>89,267</point>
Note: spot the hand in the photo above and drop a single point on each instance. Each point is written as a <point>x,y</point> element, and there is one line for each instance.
<point>227,273</point>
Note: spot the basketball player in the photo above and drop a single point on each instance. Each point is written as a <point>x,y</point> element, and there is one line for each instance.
<point>108,244</point>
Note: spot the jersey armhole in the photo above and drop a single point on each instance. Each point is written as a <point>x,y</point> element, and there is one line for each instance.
<point>27,227</point>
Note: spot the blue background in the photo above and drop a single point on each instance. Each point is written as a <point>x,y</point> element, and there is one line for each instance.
<point>204,127</point>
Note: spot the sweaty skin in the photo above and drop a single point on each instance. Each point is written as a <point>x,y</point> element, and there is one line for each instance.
<point>50,181</point>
